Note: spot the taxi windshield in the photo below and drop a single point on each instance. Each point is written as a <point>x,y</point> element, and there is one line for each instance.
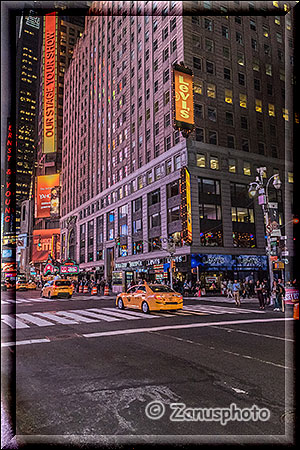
<point>160,288</point>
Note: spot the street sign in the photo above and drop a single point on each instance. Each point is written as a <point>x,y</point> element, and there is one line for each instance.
<point>273,205</point>
<point>285,253</point>
<point>276,232</point>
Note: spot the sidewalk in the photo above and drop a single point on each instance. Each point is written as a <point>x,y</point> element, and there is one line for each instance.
<point>222,299</point>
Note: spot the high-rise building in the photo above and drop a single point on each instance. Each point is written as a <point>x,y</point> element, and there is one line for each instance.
<point>122,157</point>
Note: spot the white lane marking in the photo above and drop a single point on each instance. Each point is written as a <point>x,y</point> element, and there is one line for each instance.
<point>213,309</point>
<point>255,334</point>
<point>12,322</point>
<point>3,302</point>
<point>23,300</point>
<point>183,326</point>
<point>98,316</point>
<point>77,316</point>
<point>25,342</point>
<point>130,312</point>
<point>35,320</point>
<point>56,318</point>
<point>10,300</point>
<point>114,313</point>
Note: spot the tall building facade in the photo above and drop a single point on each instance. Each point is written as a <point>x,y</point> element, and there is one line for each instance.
<point>122,157</point>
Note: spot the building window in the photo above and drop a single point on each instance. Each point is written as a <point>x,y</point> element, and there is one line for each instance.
<point>230,141</point>
<point>137,247</point>
<point>225,32</point>
<point>244,240</point>
<point>239,38</point>
<point>211,91</point>
<point>227,74</point>
<point>241,59</point>
<point>261,148</point>
<point>154,220</point>
<point>199,132</point>
<point>174,214</point>
<point>229,118</point>
<point>269,69</point>
<point>285,114</point>
<point>244,215</point>
<point>226,52</point>
<point>137,204</point>
<point>137,225</point>
<point>245,145</point>
<point>232,165</point>
<point>167,143</point>
<point>256,84</point>
<point>157,173</point>
<point>167,120</point>
<point>214,163</point>
<point>200,160</point>
<point>265,31</point>
<point>244,122</point>
<point>258,105</point>
<point>228,95</point>
<point>247,168</point>
<point>254,44</point>
<point>208,24</point>
<point>274,152</point>
<point>210,211</point>
<point>177,162</point>
<point>168,166</point>
<point>166,75</point>
<point>210,67</point>
<point>212,137</point>
<point>166,97</point>
<point>252,25</point>
<point>173,189</point>
<point>211,238</point>
<point>255,64</point>
<point>154,244</point>
<point>212,114</point>
<point>209,45</point>
<point>149,177</point>
<point>290,177</point>
<point>198,111</point>
<point>208,186</point>
<point>197,63</point>
<point>243,100</point>
<point>271,109</point>
<point>241,78</point>
<point>198,87</point>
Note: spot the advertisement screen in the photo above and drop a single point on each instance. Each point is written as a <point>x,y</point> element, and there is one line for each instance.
<point>42,244</point>
<point>45,183</point>
<point>49,83</point>
<point>183,98</point>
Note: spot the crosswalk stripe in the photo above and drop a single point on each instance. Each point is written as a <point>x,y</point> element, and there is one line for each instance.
<point>13,322</point>
<point>98,316</point>
<point>35,320</point>
<point>23,300</point>
<point>132,313</point>
<point>56,318</point>
<point>77,317</point>
<point>4,303</point>
<point>114,313</point>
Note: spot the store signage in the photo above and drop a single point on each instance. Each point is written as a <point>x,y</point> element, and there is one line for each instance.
<point>186,206</point>
<point>7,253</point>
<point>33,21</point>
<point>54,201</point>
<point>69,267</point>
<point>42,244</point>
<point>44,186</point>
<point>9,267</point>
<point>9,184</point>
<point>50,74</point>
<point>183,95</point>
<point>291,295</point>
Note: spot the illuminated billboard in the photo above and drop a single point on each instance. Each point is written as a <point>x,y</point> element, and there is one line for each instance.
<point>42,245</point>
<point>186,205</point>
<point>49,85</point>
<point>44,186</point>
<point>183,98</point>
<point>9,181</point>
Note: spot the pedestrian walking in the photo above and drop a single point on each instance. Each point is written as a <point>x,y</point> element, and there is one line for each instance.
<point>266,291</point>
<point>259,293</point>
<point>229,289</point>
<point>236,287</point>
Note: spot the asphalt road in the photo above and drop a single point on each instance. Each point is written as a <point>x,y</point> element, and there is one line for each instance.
<point>81,372</point>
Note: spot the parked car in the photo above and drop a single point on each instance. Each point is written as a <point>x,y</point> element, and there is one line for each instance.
<point>31,285</point>
<point>21,285</point>
<point>150,297</point>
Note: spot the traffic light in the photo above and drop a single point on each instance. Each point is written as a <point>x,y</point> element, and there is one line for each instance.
<point>40,243</point>
<point>296,220</point>
<point>117,240</point>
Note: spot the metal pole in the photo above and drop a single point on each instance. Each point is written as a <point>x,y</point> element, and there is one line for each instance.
<point>171,273</point>
<point>266,210</point>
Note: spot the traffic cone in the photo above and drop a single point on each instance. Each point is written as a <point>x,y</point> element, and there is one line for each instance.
<point>94,290</point>
<point>80,289</point>
<point>106,290</point>
<point>85,289</point>
<point>296,311</point>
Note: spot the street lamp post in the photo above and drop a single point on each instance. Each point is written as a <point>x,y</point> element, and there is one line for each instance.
<point>258,186</point>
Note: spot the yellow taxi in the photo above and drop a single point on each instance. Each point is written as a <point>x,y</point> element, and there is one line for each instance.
<point>31,285</point>
<point>21,285</point>
<point>57,288</point>
<point>150,297</point>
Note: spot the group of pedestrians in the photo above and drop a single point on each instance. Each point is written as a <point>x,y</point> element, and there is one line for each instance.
<point>100,284</point>
<point>261,289</point>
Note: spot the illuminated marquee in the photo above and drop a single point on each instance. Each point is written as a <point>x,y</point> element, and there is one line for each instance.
<point>50,69</point>
<point>183,99</point>
<point>186,206</point>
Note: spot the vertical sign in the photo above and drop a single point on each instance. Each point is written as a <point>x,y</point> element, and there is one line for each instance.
<point>44,187</point>
<point>183,98</point>
<point>186,206</point>
<point>50,69</point>
<point>9,185</point>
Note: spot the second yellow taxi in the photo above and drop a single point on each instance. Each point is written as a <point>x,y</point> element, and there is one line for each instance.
<point>57,288</point>
<point>150,297</point>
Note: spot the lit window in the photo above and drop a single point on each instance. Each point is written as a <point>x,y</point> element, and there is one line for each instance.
<point>258,105</point>
<point>282,74</point>
<point>243,100</point>
<point>200,160</point>
<point>276,4</point>
<point>269,69</point>
<point>232,165</point>
<point>277,20</point>
<point>211,91</point>
<point>214,163</point>
<point>241,59</point>
<point>285,114</point>
<point>290,177</point>
<point>247,168</point>
<point>255,65</point>
<point>228,96</point>
<point>265,31</point>
<point>271,110</point>
<point>198,87</point>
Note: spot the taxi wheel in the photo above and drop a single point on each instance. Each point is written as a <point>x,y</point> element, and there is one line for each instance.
<point>145,308</point>
<point>120,304</point>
